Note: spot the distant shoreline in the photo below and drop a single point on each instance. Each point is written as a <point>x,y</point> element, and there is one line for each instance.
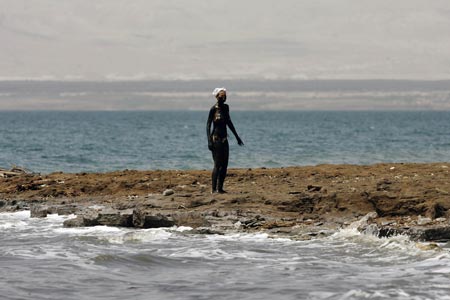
<point>243,94</point>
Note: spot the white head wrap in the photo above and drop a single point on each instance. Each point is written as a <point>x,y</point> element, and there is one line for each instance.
<point>218,90</point>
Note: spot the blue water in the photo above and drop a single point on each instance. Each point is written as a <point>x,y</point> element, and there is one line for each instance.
<point>104,141</point>
<point>40,259</point>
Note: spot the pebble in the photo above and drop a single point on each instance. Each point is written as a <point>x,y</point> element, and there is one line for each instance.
<point>423,221</point>
<point>168,192</point>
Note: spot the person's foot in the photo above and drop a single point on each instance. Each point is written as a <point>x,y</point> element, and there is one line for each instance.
<point>214,192</point>
<point>221,192</point>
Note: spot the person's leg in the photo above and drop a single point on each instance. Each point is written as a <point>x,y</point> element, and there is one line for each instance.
<point>223,167</point>
<point>215,171</point>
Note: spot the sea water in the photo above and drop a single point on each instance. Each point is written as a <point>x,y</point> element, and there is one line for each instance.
<point>49,141</point>
<point>39,259</point>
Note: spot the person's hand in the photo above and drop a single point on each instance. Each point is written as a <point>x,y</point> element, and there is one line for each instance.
<point>240,142</point>
<point>210,145</point>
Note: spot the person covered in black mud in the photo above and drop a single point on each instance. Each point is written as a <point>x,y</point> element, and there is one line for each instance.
<point>219,116</point>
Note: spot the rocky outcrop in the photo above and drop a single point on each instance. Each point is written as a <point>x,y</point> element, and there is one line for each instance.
<point>425,229</point>
<point>38,211</point>
<point>147,218</point>
<point>41,211</point>
<point>108,217</point>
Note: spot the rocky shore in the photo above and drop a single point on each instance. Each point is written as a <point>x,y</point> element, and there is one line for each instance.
<point>297,202</point>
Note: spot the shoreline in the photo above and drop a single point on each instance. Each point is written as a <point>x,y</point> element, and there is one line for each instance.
<point>298,202</point>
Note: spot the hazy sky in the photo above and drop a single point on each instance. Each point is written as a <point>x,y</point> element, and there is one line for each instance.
<point>214,39</point>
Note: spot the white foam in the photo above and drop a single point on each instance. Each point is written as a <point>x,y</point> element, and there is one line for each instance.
<point>13,224</point>
<point>253,237</point>
<point>22,215</point>
<point>94,230</point>
<point>183,228</point>
<point>15,220</point>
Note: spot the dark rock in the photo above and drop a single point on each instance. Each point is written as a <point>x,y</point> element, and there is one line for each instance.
<point>108,217</point>
<point>2,203</point>
<point>38,211</point>
<point>436,211</point>
<point>206,230</point>
<point>313,188</point>
<point>434,233</point>
<point>218,213</point>
<point>64,210</point>
<point>438,233</point>
<point>143,218</point>
<point>113,217</point>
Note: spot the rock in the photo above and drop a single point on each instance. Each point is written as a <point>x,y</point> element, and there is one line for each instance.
<point>197,203</point>
<point>384,185</point>
<point>67,210</point>
<point>237,225</point>
<point>389,205</point>
<point>107,216</point>
<point>38,211</point>
<point>114,217</point>
<point>190,219</point>
<point>168,192</point>
<point>429,247</point>
<point>371,229</point>
<point>423,221</point>
<point>294,192</point>
<point>390,222</point>
<point>431,233</point>
<point>89,218</point>
<point>313,188</point>
<point>206,231</point>
<point>436,211</point>
<point>362,223</point>
<point>143,218</point>
<point>2,203</point>
<point>75,222</point>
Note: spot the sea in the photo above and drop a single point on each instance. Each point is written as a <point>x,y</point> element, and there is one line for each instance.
<point>99,141</point>
<point>40,259</point>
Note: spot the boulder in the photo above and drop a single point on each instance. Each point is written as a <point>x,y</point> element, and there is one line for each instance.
<point>145,218</point>
<point>114,217</point>
<point>108,217</point>
<point>39,211</point>
<point>64,210</point>
<point>75,222</point>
